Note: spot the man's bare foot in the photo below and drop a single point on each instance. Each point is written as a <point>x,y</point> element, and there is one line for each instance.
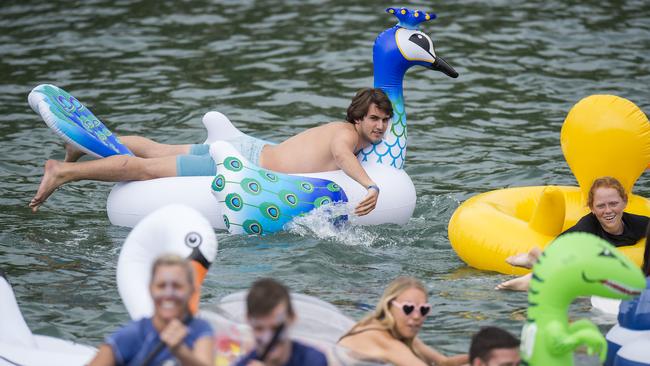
<point>51,181</point>
<point>517,284</point>
<point>72,154</point>
<point>526,260</point>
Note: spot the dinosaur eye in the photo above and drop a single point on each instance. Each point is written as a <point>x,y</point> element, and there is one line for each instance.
<point>421,41</point>
<point>193,240</point>
<point>606,253</point>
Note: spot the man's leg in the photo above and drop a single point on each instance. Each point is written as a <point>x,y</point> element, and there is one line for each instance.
<point>147,148</point>
<point>140,146</point>
<point>111,169</point>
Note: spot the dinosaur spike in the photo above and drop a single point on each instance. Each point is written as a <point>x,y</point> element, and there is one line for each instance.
<point>537,278</point>
<point>410,19</point>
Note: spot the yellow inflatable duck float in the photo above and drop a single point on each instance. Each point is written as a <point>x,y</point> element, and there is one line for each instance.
<point>603,135</point>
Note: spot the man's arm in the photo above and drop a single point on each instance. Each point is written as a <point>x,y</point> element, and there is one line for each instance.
<point>342,148</point>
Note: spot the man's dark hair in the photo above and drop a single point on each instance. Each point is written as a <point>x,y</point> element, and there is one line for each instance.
<point>488,339</point>
<point>364,99</point>
<point>265,294</point>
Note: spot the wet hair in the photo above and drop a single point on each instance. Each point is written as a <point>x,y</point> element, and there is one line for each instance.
<point>382,312</point>
<point>488,339</point>
<point>646,254</point>
<point>173,260</point>
<point>361,102</point>
<point>264,295</point>
<point>605,182</point>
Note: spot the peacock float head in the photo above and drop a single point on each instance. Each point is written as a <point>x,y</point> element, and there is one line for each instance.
<point>397,49</point>
<point>405,45</point>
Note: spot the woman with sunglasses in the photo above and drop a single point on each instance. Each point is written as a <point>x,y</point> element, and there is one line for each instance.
<point>390,333</point>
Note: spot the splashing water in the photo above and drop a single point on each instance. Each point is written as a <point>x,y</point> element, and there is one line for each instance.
<point>333,222</point>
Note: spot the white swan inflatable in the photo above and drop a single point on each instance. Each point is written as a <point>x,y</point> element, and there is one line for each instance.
<point>271,199</point>
<point>18,346</point>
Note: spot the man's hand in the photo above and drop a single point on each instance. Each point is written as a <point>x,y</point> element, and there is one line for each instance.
<point>173,334</point>
<point>368,203</point>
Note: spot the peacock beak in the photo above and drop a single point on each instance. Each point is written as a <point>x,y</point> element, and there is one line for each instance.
<point>441,65</point>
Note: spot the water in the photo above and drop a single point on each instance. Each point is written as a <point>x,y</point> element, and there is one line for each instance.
<point>276,68</point>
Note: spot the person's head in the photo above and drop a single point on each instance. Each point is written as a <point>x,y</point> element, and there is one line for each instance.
<point>607,199</point>
<point>492,346</point>
<point>171,286</point>
<point>403,307</point>
<point>269,311</point>
<point>370,111</point>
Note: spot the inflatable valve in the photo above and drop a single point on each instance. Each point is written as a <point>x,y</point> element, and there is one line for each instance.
<point>548,217</point>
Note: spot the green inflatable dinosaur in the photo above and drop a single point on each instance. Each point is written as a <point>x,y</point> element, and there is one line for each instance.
<point>576,264</point>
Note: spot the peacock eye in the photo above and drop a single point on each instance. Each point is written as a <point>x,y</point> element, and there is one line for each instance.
<point>421,41</point>
<point>193,240</point>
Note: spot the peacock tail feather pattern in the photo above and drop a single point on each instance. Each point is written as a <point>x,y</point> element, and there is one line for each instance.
<point>258,201</point>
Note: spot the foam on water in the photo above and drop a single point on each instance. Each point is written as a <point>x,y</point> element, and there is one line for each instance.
<point>325,223</point>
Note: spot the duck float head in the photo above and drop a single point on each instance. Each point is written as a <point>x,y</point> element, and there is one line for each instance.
<point>395,51</point>
<point>606,135</point>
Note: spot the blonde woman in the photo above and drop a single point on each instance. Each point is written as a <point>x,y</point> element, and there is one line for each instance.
<point>390,333</point>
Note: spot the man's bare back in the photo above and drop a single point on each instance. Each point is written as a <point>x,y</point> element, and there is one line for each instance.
<point>309,151</point>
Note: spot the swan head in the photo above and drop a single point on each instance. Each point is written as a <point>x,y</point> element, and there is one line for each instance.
<point>173,229</point>
<point>405,45</point>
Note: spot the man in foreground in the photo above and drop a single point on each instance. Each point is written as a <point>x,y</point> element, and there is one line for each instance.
<point>327,147</point>
<point>270,314</point>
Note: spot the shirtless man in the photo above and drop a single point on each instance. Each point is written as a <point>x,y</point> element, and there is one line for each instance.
<point>328,147</point>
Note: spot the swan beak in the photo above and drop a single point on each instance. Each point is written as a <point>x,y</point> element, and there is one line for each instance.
<point>200,266</point>
<point>441,65</point>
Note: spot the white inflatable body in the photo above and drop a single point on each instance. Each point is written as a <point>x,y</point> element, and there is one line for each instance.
<point>129,202</point>
<point>319,324</point>
<point>18,346</point>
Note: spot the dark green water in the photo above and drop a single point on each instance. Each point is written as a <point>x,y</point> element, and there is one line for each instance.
<point>276,68</point>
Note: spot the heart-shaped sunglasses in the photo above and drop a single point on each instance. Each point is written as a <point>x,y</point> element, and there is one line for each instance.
<point>408,307</point>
